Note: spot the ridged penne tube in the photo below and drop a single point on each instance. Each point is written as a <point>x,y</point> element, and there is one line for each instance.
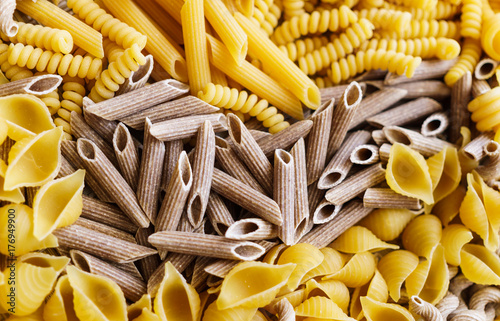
<point>342,116</point>
<point>301,208</point>
<point>426,310</point>
<point>356,184</point>
<point>360,239</point>
<point>8,25</point>
<point>395,268</point>
<point>336,171</point>
<point>36,85</point>
<point>319,307</point>
<point>479,265</point>
<point>186,127</point>
<point>405,113</point>
<point>105,229</point>
<point>378,137</point>
<point>485,68</point>
<point>322,235</point>
<point>428,69</point>
<point>434,89</point>
<point>105,128</point>
<point>173,150</point>
<point>435,125</point>
<point>105,213</point>
<point>146,97</point>
<point>284,194</point>
<point>138,78</point>
<point>381,197</point>
<point>422,235</point>
<point>317,141</point>
<point>149,264</point>
<point>325,212</point>
<point>285,138</point>
<point>374,310</point>
<point>427,146</point>
<point>366,154</point>
<point>45,149</point>
<point>460,97</point>
<point>132,287</point>
<point>251,229</point>
<point>245,196</point>
<point>111,180</point>
<point>127,155</point>
<point>357,271</point>
<point>475,148</point>
<point>219,216</point>
<point>49,215</point>
<point>203,166</point>
<point>336,92</point>
<point>306,257</point>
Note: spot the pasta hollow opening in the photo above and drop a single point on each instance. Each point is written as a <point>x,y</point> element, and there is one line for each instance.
<point>325,213</point>
<point>363,154</point>
<point>86,149</point>
<point>333,178</point>
<point>486,69</point>
<point>285,157</point>
<point>398,137</point>
<point>353,95</point>
<point>492,147</point>
<point>234,124</point>
<point>41,85</point>
<point>219,142</point>
<point>142,72</point>
<point>80,261</point>
<point>122,139</point>
<point>248,251</point>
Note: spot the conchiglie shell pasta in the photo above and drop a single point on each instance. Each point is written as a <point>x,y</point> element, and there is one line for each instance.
<point>332,289</point>
<point>295,298</point>
<point>147,315</point>
<point>273,254</point>
<point>135,309</point>
<point>34,161</point>
<point>60,305</point>
<point>35,316</point>
<point>14,108</point>
<point>58,204</point>
<point>357,271</point>
<point>422,234</point>
<point>408,174</point>
<point>480,265</point>
<point>253,284</point>
<point>445,172</point>
<point>387,223</point>
<point>3,130</point>
<point>375,311</point>
<point>360,239</point>
<point>321,307</point>
<point>212,313</point>
<point>96,297</point>
<point>376,289</point>
<point>305,256</point>
<point>454,237</point>
<point>332,262</point>
<point>395,267</point>
<point>13,196</point>
<point>449,207</point>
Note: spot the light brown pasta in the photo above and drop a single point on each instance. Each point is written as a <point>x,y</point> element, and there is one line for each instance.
<point>186,127</point>
<point>479,87</point>
<point>485,68</point>
<point>173,150</point>
<point>251,229</point>
<point>428,69</point>
<point>378,137</point>
<point>284,310</point>
<point>284,192</point>
<point>105,229</point>
<point>387,198</point>
<point>481,298</point>
<point>7,24</point>
<point>366,154</point>
<point>427,146</point>
<point>426,310</point>
<point>448,304</point>
<point>434,89</point>
<point>301,208</point>
<point>105,128</point>
<point>221,267</point>
<point>435,125</point>
<point>460,97</point>
<point>36,85</point>
<point>475,148</point>
<point>218,214</point>
<point>285,138</point>
<point>105,213</point>
<point>325,212</point>
<point>126,155</point>
<point>406,113</point>
<point>336,92</point>
<point>149,264</point>
<point>138,78</point>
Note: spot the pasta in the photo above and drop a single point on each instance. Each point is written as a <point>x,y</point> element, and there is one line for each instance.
<point>376,289</point>
<point>321,308</point>
<point>426,28</point>
<point>8,25</point>
<point>479,265</point>
<point>213,313</point>
<point>360,239</point>
<point>422,235</point>
<point>305,256</point>
<point>485,110</point>
<point>14,196</point>
<point>445,172</point>
<point>469,57</point>
<point>126,155</point>
<point>284,192</point>
<point>395,268</point>
<point>471,19</point>
<point>378,222</point>
<point>357,271</point>
<point>60,304</point>
<point>301,208</point>
<point>489,32</point>
<point>332,289</point>
<point>374,310</point>
<point>332,262</point>
<point>299,48</point>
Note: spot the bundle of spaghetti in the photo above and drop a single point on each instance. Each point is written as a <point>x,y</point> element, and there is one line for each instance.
<point>485,110</point>
<point>111,50</point>
<point>471,18</point>
<point>395,62</point>
<point>110,27</point>
<point>469,57</point>
<point>315,22</point>
<point>425,48</point>
<point>293,8</point>
<point>52,39</point>
<point>12,72</point>
<point>240,101</point>
<point>54,62</point>
<point>424,28</point>
<point>299,48</point>
<point>73,93</point>
<point>443,10</point>
<point>111,79</point>
<point>340,47</point>
<point>421,4</point>
<point>386,18</point>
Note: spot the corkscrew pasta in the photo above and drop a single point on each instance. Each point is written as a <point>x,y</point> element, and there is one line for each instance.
<point>485,110</point>
<point>12,72</point>
<point>383,18</point>
<point>442,11</point>
<point>471,18</point>
<point>73,93</point>
<point>299,48</point>
<point>469,57</point>
<point>425,28</point>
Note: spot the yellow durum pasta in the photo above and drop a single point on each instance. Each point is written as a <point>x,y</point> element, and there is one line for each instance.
<point>445,172</point>
<point>454,237</point>
<point>374,311</point>
<point>14,196</point>
<point>359,239</point>
<point>422,235</point>
<point>376,289</point>
<point>357,271</point>
<point>321,307</point>
<point>305,256</point>
<point>332,289</point>
<point>395,267</point>
<point>332,262</point>
<point>480,265</point>
<point>387,223</point>
<point>60,306</point>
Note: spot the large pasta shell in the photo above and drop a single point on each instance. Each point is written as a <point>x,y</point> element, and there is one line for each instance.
<point>379,311</point>
<point>212,313</point>
<point>376,289</point>
<point>13,196</point>
<point>332,262</point>
<point>480,265</point>
<point>305,256</point>
<point>253,284</point>
<point>334,290</point>
<point>422,235</point>
<point>147,315</point>
<point>22,240</point>
<point>387,223</point>
<point>395,267</point>
<point>491,200</point>
<point>176,299</point>
<point>96,298</point>
<point>357,271</point>
<point>360,239</point>
<point>60,305</point>
<point>273,254</point>
<point>34,161</point>
<point>408,174</point>
<point>321,307</point>
<point>454,237</point>
<point>445,172</point>
<point>26,116</point>
<point>58,203</point>
<point>449,207</point>
<point>35,316</point>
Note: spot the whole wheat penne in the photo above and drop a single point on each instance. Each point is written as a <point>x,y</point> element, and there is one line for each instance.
<point>284,194</point>
<point>143,98</point>
<point>186,106</point>
<point>203,166</point>
<point>428,69</point>
<point>406,113</point>
<point>150,263</point>
<point>475,148</point>
<point>427,146</point>
<point>336,92</point>
<point>105,213</point>
<point>435,125</point>
<point>460,97</point>
<point>250,153</point>
<point>356,184</point>
<point>384,151</point>
<point>132,287</point>
<point>285,138</point>
<point>105,229</point>
<point>322,235</point>
<point>7,24</point>
<point>138,78</point>
<point>105,128</point>
<point>173,150</point>
<point>257,134</point>
<point>479,87</point>
<point>218,214</point>
<point>206,245</point>
<point>230,163</point>
<point>221,267</point>
<point>251,229</point>
<point>148,186</point>
<point>127,155</point>
<point>378,137</point>
<point>66,168</point>
<point>485,68</point>
<point>128,268</point>
<point>434,89</point>
<point>285,310</point>
<point>342,116</point>
<point>380,197</point>
<point>366,154</point>
<point>186,127</point>
<point>245,196</point>
<point>376,103</point>
<point>317,142</point>
<point>101,245</point>
<point>36,85</point>
<point>325,212</point>
<point>314,197</point>
<point>336,171</point>
<point>301,209</point>
<point>112,182</point>
<point>29,192</point>
<point>199,276</point>
<point>253,123</point>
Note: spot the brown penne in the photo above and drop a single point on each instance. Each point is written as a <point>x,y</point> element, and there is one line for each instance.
<point>138,78</point>
<point>251,229</point>
<point>325,212</point>
<point>434,89</point>
<point>218,214</point>
<point>36,85</point>
<point>479,87</point>
<point>199,277</point>
<point>173,150</point>
<point>285,138</point>
<point>336,92</point>
<point>149,264</point>
<point>221,267</point>
<point>284,194</point>
<point>66,168</point>
<point>301,209</point>
<point>428,69</point>
<point>186,127</point>
<point>257,134</point>
<point>105,213</point>
<point>378,137</point>
<point>105,128</point>
<point>387,198</point>
<point>460,97</point>
<point>475,149</point>
<point>384,151</point>
<point>314,197</point>
<point>127,155</point>
<point>435,125</point>
<point>105,229</point>
<point>366,154</point>
<point>485,68</point>
<point>427,146</point>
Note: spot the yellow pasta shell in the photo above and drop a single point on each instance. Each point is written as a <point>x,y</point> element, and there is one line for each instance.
<point>408,174</point>
<point>377,311</point>
<point>445,172</point>
<point>135,309</point>
<point>295,298</point>
<point>449,207</point>
<point>176,299</point>
<point>360,239</point>
<point>332,289</point>
<point>422,235</point>
<point>34,161</point>
<point>332,262</point>
<point>96,297</point>
<point>376,289</point>
<point>357,271</point>
<point>491,200</point>
<point>395,267</point>
<point>58,203</point>
<point>273,254</point>
<point>321,307</point>
<point>26,116</point>
<point>14,196</point>
<point>35,316</point>
<point>480,265</point>
<point>60,305</point>
<point>454,237</point>
<point>387,223</point>
<point>253,284</point>
<point>305,256</point>
<point>259,316</point>
<point>212,313</point>
<point>3,130</point>
<point>146,315</point>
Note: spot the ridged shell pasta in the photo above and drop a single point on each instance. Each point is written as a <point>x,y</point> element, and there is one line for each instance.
<point>3,130</point>
<point>147,315</point>
<point>408,174</point>
<point>212,313</point>
<point>305,256</point>
<point>480,265</point>
<point>449,207</point>
<point>360,239</point>
<point>454,237</point>
<point>376,289</point>
<point>332,262</point>
<point>422,234</point>
<point>357,271</point>
<point>273,254</point>
<point>60,305</point>
<point>395,267</point>
<point>135,309</point>
<point>377,311</point>
<point>334,290</point>
<point>295,298</point>
<point>34,161</point>
<point>321,307</point>
<point>13,196</point>
<point>253,284</point>
<point>387,223</point>
<point>14,108</point>
<point>58,204</point>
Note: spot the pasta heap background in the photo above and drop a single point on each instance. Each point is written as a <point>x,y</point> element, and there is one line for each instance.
<point>329,160</point>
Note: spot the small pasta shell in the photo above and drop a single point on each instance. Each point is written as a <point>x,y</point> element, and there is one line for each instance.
<point>360,239</point>
<point>60,305</point>
<point>454,237</point>
<point>445,172</point>
<point>305,256</point>
<point>395,267</point>
<point>387,223</point>
<point>449,207</point>
<point>408,174</point>
<point>376,289</point>
<point>135,309</point>
<point>332,289</point>
<point>332,262</point>
<point>212,313</point>
<point>374,311</point>
<point>253,284</point>
<point>422,235</point>
<point>357,271</point>
<point>147,315</point>
<point>295,298</point>
<point>321,307</point>
<point>273,254</point>
<point>13,196</point>
<point>480,265</point>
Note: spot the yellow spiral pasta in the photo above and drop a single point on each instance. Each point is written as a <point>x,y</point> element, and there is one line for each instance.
<point>266,15</point>
<point>52,39</point>
<point>359,239</point>
<point>442,11</point>
<point>111,50</point>
<point>357,271</point>
<point>323,82</point>
<point>425,28</point>
<point>387,223</point>
<point>454,237</point>
<point>471,19</point>
<point>480,265</point>
<point>332,289</point>
<point>311,23</point>
<point>305,256</point>
<point>51,62</point>
<point>393,61</point>
<point>376,289</point>
<point>110,27</point>
<point>231,98</point>
<point>292,8</point>
<point>384,18</point>
<point>11,72</point>
<point>469,57</point>
<point>321,308</point>
<point>490,32</point>
<point>299,48</point>
<point>374,311</point>
<point>332,262</point>
<point>485,110</point>
<point>338,48</point>
<point>422,235</point>
<point>395,267</point>
<point>73,93</point>
<point>52,101</point>
<point>422,4</point>
<point>118,71</point>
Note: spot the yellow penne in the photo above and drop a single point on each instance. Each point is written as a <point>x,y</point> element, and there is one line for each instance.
<point>321,307</point>
<point>332,262</point>
<point>395,267</point>
<point>454,237</point>
<point>360,239</point>
<point>13,196</point>
<point>334,290</point>
<point>479,265</point>
<point>387,223</point>
<point>305,256</point>
<point>374,310</point>
<point>422,235</point>
<point>357,271</point>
